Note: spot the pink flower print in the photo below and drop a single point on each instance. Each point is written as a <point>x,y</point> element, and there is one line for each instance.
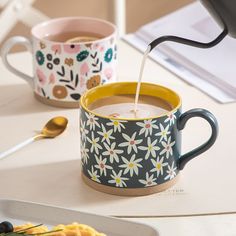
<point>84,69</point>
<point>101,49</point>
<point>108,73</point>
<point>71,48</point>
<point>52,79</point>
<point>56,48</point>
<point>82,82</point>
<point>41,76</point>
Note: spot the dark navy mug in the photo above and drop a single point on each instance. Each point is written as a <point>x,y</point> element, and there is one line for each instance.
<point>136,156</point>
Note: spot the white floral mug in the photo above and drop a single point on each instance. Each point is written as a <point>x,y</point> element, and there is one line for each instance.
<point>126,156</point>
<point>63,71</point>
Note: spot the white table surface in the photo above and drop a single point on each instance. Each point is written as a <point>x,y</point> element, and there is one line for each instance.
<point>53,164</point>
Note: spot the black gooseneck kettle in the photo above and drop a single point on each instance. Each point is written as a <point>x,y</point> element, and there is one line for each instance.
<point>223,11</point>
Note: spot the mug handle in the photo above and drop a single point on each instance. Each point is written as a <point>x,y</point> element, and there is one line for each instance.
<point>210,118</point>
<point>5,50</point>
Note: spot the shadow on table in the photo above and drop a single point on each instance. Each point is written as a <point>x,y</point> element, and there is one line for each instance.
<point>19,99</point>
<point>56,183</point>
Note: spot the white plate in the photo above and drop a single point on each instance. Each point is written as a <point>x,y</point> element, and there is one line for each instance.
<point>18,212</point>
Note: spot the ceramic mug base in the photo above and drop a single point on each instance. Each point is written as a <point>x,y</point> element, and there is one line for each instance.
<point>130,191</point>
<point>56,103</point>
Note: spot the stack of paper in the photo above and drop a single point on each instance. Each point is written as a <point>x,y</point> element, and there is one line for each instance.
<point>211,70</point>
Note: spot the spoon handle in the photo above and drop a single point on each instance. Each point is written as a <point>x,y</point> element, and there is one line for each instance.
<point>17,147</point>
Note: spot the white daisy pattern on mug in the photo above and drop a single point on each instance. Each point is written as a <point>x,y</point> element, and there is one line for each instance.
<point>164,132</point>
<point>158,166</point>
<point>129,153</point>
<point>117,179</point>
<point>149,181</point>
<point>151,148</point>
<point>167,147</point>
<point>93,175</point>
<point>84,154</point>
<point>92,121</point>
<point>147,127</point>
<point>106,134</point>
<point>101,165</point>
<point>83,130</point>
<point>131,166</point>
<point>94,144</point>
<point>112,152</point>
<point>171,117</point>
<point>118,125</point>
<point>131,142</point>
<point>171,172</point>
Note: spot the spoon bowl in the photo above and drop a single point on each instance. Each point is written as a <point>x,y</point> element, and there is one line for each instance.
<point>54,127</point>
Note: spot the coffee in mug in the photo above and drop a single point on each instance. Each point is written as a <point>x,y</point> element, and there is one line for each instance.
<point>122,106</point>
<point>74,37</point>
<point>70,56</point>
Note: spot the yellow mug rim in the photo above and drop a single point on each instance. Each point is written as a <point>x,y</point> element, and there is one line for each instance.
<point>93,91</point>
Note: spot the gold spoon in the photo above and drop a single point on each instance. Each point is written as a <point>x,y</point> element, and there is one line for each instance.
<point>52,129</point>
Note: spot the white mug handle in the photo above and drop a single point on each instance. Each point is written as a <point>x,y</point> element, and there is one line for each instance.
<point>5,50</point>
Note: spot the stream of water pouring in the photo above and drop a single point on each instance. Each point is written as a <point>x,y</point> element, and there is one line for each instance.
<point>140,78</point>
